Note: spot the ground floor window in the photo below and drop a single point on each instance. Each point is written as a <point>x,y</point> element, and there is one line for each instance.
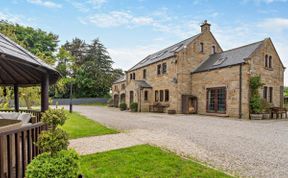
<point>166,95</point>
<point>145,95</point>
<point>156,96</point>
<point>216,100</point>
<point>161,95</point>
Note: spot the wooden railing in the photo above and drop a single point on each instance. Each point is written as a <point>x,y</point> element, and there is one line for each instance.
<point>17,149</point>
<point>36,115</point>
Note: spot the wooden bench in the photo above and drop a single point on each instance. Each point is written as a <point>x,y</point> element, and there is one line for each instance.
<point>277,111</point>
<point>157,107</point>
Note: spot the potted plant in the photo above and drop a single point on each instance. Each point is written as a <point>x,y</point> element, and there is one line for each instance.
<point>256,107</point>
<point>266,109</point>
<point>134,107</point>
<point>123,106</point>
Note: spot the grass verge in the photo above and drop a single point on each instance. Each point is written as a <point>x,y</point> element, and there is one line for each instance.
<point>143,161</point>
<point>78,126</point>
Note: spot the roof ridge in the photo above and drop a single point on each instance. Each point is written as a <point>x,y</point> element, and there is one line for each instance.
<point>242,46</point>
<point>164,49</point>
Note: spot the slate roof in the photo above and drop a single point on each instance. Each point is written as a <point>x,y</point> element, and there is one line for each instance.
<point>22,60</point>
<point>164,53</point>
<point>228,58</point>
<point>121,79</point>
<point>143,84</point>
<point>9,47</point>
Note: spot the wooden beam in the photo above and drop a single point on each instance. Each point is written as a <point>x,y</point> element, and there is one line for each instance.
<point>7,73</point>
<point>16,98</point>
<point>29,72</point>
<point>44,93</point>
<point>18,70</point>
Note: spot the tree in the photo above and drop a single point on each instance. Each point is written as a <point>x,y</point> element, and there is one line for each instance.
<point>92,69</point>
<point>38,42</point>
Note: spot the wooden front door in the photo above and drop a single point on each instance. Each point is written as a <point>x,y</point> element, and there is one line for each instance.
<point>189,104</point>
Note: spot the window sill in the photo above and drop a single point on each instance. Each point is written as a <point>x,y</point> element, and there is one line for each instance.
<point>267,68</point>
<point>216,114</point>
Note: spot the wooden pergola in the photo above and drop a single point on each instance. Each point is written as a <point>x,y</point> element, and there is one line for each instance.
<point>20,68</point>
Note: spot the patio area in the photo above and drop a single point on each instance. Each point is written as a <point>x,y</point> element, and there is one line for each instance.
<point>19,129</point>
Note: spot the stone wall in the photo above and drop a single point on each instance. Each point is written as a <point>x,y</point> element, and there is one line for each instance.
<point>226,77</point>
<point>178,77</point>
<point>270,77</point>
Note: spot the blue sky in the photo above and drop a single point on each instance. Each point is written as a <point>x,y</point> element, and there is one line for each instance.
<point>132,29</point>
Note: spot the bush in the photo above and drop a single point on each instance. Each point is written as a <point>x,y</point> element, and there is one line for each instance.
<point>265,105</point>
<point>134,107</point>
<point>255,99</point>
<point>255,104</point>
<point>64,164</point>
<point>123,106</point>
<point>110,102</point>
<point>53,141</point>
<point>54,117</point>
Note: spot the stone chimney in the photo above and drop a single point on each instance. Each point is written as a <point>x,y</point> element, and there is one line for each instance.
<point>205,27</point>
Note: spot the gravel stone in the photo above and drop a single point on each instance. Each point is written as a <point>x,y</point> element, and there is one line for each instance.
<point>240,147</point>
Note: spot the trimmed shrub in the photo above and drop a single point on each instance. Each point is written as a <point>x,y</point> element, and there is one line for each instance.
<point>134,107</point>
<point>123,106</point>
<point>54,117</point>
<point>53,141</point>
<point>64,164</point>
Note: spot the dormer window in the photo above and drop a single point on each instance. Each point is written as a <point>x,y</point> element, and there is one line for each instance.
<point>201,47</point>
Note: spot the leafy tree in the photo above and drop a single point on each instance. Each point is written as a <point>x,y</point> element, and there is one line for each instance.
<point>92,70</point>
<point>38,42</point>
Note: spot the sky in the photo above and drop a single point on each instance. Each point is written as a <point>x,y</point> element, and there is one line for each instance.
<point>133,29</point>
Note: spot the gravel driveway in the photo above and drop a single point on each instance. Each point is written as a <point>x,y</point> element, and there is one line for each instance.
<point>241,147</point>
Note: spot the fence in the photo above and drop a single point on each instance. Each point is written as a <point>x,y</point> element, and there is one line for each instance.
<point>79,101</point>
<point>17,149</point>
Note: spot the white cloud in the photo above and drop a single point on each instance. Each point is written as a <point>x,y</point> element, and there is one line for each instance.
<point>274,24</point>
<point>97,3</point>
<point>126,58</point>
<point>119,18</point>
<point>44,3</point>
<point>10,17</point>
<point>16,18</point>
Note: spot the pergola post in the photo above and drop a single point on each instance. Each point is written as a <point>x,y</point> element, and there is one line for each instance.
<point>16,98</point>
<point>44,93</point>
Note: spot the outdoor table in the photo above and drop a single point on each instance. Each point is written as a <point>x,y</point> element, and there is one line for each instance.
<point>8,124</point>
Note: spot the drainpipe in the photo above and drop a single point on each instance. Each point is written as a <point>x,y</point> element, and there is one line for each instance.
<point>240,91</point>
<point>140,100</point>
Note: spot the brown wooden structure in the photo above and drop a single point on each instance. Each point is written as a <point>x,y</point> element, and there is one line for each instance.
<point>279,112</point>
<point>20,68</point>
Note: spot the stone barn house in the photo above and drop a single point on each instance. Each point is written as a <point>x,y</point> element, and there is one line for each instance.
<point>197,76</point>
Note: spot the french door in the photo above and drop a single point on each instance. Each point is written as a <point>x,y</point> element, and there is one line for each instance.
<point>216,100</point>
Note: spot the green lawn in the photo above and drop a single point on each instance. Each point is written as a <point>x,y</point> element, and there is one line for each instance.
<point>95,104</point>
<point>80,126</point>
<point>143,161</point>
